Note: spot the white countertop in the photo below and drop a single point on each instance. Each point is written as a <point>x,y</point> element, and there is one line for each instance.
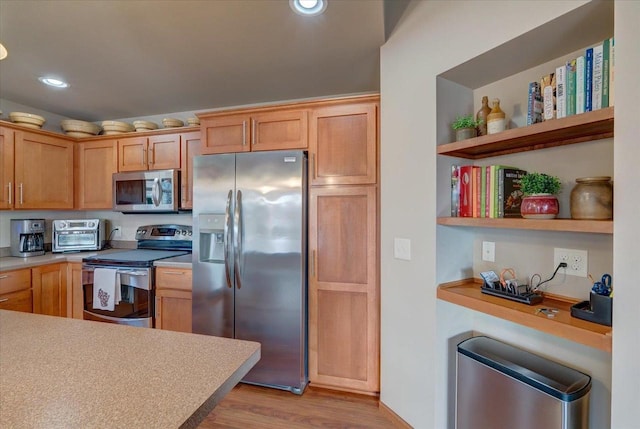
<point>60,372</point>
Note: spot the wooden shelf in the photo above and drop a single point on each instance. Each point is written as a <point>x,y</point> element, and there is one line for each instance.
<point>466,293</point>
<point>573,129</point>
<point>565,225</point>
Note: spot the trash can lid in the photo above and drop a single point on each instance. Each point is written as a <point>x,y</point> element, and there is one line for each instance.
<point>562,382</point>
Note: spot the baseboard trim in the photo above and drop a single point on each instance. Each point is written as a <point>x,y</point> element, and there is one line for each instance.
<point>397,421</point>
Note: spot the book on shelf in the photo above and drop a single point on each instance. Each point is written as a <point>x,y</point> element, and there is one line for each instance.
<point>476,192</point>
<point>455,190</point>
<point>606,54</point>
<point>483,191</point>
<point>534,104</point>
<point>571,87</point>
<point>612,63</point>
<point>561,106</point>
<point>588,79</point>
<point>488,195</point>
<point>580,84</point>
<point>596,92</point>
<point>548,89</point>
<point>509,192</point>
<point>466,191</point>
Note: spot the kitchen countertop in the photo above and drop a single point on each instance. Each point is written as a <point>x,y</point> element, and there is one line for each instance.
<point>12,263</point>
<point>59,372</point>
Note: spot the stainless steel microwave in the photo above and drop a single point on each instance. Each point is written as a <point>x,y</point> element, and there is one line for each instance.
<point>146,191</point>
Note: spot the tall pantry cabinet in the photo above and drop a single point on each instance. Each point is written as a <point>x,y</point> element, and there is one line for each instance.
<point>343,246</point>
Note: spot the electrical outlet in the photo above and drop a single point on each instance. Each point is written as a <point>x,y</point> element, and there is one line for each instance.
<point>117,231</point>
<point>489,251</point>
<point>577,261</point>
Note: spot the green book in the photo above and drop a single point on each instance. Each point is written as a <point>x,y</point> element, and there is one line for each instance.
<point>571,87</point>
<point>605,72</point>
<point>483,191</point>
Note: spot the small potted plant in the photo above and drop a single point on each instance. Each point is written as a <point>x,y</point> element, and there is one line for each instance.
<point>465,127</point>
<point>540,200</point>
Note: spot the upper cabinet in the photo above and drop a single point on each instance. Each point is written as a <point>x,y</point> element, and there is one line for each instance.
<point>96,161</point>
<point>153,152</point>
<point>254,131</point>
<point>50,156</point>
<point>342,144</point>
<point>191,146</point>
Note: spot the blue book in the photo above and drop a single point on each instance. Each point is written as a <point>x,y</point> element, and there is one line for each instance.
<point>588,80</point>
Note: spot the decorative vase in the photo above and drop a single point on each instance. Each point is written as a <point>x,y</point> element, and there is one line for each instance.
<point>496,121</point>
<point>481,116</point>
<point>540,206</point>
<point>592,198</point>
<point>465,133</point>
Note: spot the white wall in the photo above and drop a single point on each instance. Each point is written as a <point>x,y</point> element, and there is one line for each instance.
<point>417,330</point>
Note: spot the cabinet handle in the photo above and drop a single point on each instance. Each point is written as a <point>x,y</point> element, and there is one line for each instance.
<point>6,276</point>
<point>244,133</point>
<point>174,273</point>
<point>313,263</point>
<point>4,300</point>
<point>144,156</point>
<point>10,192</point>
<point>21,201</point>
<point>313,165</point>
<point>150,156</point>
<point>253,131</point>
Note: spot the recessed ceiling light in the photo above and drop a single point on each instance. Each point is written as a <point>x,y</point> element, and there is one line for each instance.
<point>3,52</point>
<point>51,81</point>
<point>308,7</point>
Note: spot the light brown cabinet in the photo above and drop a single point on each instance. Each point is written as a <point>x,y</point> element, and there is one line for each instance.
<point>343,144</point>
<point>173,299</point>
<point>49,284</point>
<point>153,152</point>
<point>191,146</point>
<point>254,131</point>
<point>22,153</point>
<point>95,163</point>
<point>15,291</point>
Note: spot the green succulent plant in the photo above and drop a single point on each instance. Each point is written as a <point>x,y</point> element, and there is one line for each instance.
<point>465,122</point>
<point>539,183</point>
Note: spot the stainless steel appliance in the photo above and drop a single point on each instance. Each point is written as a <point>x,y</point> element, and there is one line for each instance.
<point>249,258</point>
<point>27,237</point>
<point>146,191</point>
<point>78,235</point>
<point>134,274</point>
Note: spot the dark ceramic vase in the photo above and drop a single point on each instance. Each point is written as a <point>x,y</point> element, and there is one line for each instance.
<point>540,206</point>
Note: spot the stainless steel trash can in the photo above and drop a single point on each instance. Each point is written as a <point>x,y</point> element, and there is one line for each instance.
<point>499,386</point>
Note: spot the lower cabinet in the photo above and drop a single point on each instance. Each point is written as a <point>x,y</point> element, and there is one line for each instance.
<point>173,299</point>
<point>75,296</point>
<point>343,288</point>
<point>15,291</point>
<point>49,284</point>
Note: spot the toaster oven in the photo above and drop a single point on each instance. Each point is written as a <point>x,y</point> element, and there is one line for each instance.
<point>78,235</point>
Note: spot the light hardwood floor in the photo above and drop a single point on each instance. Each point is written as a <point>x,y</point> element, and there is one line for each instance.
<point>254,407</point>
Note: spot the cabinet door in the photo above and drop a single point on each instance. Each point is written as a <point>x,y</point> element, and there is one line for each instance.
<point>226,134</point>
<point>343,144</point>
<point>6,163</point>
<point>43,171</point>
<point>191,146</point>
<point>279,130</point>
<point>49,283</point>
<point>17,301</point>
<point>96,162</point>
<point>13,281</point>
<point>343,288</point>
<point>163,152</point>
<point>132,154</point>
<point>173,310</point>
<point>75,297</point>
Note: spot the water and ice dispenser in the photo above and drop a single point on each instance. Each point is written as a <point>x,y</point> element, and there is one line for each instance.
<point>211,237</point>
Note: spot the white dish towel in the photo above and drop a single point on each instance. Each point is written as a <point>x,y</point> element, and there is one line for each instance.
<point>106,289</point>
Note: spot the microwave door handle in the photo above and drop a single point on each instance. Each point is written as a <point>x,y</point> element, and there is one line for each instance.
<point>238,239</point>
<point>156,192</point>
<point>227,238</point>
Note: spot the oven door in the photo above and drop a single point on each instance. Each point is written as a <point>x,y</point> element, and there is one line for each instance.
<point>136,307</point>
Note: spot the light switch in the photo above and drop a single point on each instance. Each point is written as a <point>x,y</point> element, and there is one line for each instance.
<point>489,251</point>
<point>402,248</point>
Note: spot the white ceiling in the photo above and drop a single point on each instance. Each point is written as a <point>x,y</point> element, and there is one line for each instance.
<point>140,58</point>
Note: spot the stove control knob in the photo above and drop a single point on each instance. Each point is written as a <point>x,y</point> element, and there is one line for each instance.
<point>189,233</point>
<point>184,232</point>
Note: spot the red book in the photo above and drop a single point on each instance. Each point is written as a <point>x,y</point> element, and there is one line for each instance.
<point>477,188</point>
<point>488,193</point>
<point>466,191</point>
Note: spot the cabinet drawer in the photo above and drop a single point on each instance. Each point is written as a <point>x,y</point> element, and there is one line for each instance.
<point>17,301</point>
<point>173,278</point>
<point>11,281</point>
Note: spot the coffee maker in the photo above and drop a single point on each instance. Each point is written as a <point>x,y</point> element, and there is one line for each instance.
<point>27,237</point>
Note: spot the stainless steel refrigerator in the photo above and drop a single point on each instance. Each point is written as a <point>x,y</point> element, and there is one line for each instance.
<point>250,258</point>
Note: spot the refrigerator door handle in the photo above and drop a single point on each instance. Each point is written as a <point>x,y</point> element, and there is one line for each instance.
<point>238,237</point>
<point>227,239</point>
